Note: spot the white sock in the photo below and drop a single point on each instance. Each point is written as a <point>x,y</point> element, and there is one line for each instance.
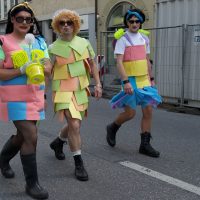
<point>76,153</point>
<point>62,138</point>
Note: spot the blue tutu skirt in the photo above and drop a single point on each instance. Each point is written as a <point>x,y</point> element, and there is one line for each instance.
<point>141,96</point>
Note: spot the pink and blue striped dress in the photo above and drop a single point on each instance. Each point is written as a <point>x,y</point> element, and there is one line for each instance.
<point>20,100</point>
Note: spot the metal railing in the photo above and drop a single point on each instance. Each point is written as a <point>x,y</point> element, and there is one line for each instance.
<point>176,63</point>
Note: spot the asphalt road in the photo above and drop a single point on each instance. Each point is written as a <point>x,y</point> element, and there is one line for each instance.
<point>175,135</point>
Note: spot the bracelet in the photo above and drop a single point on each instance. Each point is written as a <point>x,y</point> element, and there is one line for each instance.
<point>152,78</point>
<point>45,96</point>
<point>98,85</point>
<point>125,81</point>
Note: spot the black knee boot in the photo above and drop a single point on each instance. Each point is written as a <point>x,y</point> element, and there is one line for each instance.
<point>111,133</point>
<point>145,146</point>
<point>57,146</point>
<point>33,188</point>
<point>80,172</point>
<point>7,153</point>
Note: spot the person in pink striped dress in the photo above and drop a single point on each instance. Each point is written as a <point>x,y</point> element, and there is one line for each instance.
<point>21,101</point>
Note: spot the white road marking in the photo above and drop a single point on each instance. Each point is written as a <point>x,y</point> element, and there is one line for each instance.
<point>162,177</point>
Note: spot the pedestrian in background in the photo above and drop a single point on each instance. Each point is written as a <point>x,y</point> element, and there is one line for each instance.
<point>132,54</point>
<point>21,101</point>
<point>73,60</point>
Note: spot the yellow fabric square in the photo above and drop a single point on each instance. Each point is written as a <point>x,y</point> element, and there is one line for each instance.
<point>84,82</point>
<point>142,81</point>
<point>63,97</point>
<point>136,68</point>
<point>60,72</point>
<point>74,113</point>
<point>61,106</point>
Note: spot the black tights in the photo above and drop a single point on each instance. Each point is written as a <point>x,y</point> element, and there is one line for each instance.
<point>26,136</point>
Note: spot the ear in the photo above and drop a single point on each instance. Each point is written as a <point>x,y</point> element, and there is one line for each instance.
<point>12,19</point>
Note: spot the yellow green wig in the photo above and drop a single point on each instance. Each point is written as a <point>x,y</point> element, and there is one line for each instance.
<point>69,14</point>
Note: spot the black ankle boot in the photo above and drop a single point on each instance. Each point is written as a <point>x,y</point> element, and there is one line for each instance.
<point>80,172</point>
<point>33,188</point>
<point>57,146</point>
<point>145,146</point>
<point>7,153</point>
<point>111,133</point>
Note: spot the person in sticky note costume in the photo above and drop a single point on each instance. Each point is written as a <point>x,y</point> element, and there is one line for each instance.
<point>73,59</point>
<point>21,101</point>
<point>131,51</point>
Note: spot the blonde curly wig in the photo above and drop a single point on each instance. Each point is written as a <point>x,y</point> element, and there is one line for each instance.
<point>69,14</point>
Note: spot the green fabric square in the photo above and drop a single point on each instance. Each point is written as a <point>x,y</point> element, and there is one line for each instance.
<point>79,44</point>
<point>77,68</point>
<point>60,48</point>
<point>81,97</point>
<point>61,106</point>
<point>55,85</point>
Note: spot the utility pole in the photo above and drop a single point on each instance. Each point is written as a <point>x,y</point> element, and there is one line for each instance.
<point>96,13</point>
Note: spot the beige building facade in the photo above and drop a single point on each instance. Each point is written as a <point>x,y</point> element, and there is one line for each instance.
<point>96,15</point>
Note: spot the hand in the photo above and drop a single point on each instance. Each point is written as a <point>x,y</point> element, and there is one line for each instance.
<point>23,68</point>
<point>45,62</point>
<point>128,88</point>
<point>98,91</point>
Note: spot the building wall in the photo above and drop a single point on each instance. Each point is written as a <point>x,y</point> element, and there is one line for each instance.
<point>105,7</point>
<point>44,9</point>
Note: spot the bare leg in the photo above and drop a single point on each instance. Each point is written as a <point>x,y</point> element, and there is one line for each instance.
<point>74,139</point>
<point>145,146</point>
<point>112,128</point>
<point>28,158</point>
<point>146,119</point>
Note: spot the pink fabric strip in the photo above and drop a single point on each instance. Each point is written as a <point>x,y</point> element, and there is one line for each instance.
<point>3,111</point>
<point>33,108</point>
<point>9,45</point>
<point>26,93</point>
<point>69,85</point>
<point>134,53</point>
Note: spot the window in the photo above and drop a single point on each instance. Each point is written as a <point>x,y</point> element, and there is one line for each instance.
<point>5,5</point>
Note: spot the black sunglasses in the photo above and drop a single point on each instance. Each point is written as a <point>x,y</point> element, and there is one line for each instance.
<point>69,23</point>
<point>134,21</point>
<point>21,20</point>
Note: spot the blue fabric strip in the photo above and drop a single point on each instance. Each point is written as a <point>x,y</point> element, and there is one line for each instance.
<point>42,115</point>
<point>17,110</point>
<point>20,80</point>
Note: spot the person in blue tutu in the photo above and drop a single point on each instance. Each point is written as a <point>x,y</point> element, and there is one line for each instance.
<point>132,51</point>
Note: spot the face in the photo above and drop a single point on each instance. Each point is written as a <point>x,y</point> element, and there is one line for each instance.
<point>66,27</point>
<point>22,22</point>
<point>133,24</point>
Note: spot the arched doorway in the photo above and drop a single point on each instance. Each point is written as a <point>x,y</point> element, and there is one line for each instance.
<point>115,17</point>
<point>114,22</point>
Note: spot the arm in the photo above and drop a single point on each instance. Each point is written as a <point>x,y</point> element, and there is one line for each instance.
<point>150,70</point>
<point>98,87</point>
<point>7,74</point>
<point>127,86</point>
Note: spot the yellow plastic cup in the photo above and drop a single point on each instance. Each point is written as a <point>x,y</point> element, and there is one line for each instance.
<point>35,73</point>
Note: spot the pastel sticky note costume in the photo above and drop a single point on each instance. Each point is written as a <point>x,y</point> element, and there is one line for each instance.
<point>71,76</point>
<point>136,68</point>
<point>19,100</point>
